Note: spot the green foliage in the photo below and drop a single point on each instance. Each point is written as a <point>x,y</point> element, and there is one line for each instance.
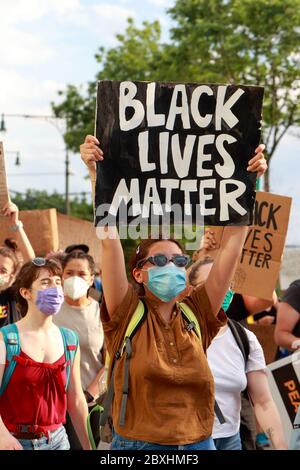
<point>247,42</point>
<point>213,41</point>
<point>34,199</point>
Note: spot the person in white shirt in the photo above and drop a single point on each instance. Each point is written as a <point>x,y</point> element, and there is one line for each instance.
<point>81,313</point>
<point>232,376</point>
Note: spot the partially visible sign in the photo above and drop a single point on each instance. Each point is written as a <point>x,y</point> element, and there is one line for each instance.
<point>4,194</point>
<point>173,151</point>
<point>284,377</point>
<point>258,270</point>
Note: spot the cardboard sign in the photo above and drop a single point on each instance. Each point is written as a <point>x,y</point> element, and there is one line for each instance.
<point>176,152</point>
<point>4,194</point>
<point>48,230</point>
<point>40,227</point>
<point>258,270</point>
<point>284,376</point>
<point>73,230</point>
<point>265,336</point>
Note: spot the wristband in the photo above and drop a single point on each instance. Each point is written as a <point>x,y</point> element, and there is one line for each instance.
<point>16,227</point>
<point>295,344</point>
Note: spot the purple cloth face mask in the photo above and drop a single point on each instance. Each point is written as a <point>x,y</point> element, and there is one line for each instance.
<point>50,300</point>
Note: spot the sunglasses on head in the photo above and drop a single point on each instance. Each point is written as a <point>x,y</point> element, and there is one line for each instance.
<point>39,261</point>
<point>162,260</point>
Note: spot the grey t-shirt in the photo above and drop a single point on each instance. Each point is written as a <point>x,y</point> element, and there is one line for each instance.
<point>85,321</point>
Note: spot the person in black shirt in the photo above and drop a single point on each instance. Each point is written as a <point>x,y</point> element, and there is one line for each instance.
<point>9,264</point>
<point>287,331</point>
<point>8,268</point>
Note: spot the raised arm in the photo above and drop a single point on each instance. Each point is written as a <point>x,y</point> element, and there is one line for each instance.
<point>11,211</point>
<point>254,305</point>
<point>287,319</point>
<point>114,277</point>
<point>90,154</point>
<point>232,242</point>
<point>222,271</point>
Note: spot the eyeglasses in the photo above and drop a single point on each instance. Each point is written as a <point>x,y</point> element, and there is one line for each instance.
<point>161,260</point>
<point>39,261</point>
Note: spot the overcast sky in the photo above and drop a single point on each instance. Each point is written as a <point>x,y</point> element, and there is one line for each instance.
<point>45,44</point>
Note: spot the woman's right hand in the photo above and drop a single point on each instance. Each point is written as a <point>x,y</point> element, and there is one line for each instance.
<point>208,241</point>
<point>9,442</point>
<point>91,152</point>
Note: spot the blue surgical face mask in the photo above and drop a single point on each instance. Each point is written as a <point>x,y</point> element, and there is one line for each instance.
<point>227,300</point>
<point>166,282</point>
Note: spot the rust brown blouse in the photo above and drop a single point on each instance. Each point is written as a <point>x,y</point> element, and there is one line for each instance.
<point>171,388</point>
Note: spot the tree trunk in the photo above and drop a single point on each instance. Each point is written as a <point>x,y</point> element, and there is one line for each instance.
<point>267,180</point>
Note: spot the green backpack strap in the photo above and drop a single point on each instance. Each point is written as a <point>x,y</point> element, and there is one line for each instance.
<point>134,324</point>
<point>189,315</point>
<point>12,343</point>
<point>70,339</point>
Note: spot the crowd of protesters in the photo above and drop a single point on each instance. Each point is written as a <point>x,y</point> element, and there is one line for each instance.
<point>178,380</point>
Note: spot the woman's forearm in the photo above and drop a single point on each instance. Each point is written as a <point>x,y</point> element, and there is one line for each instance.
<point>268,417</point>
<point>78,411</point>
<point>24,245</point>
<point>224,266</point>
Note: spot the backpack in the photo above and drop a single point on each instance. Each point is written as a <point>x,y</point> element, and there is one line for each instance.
<point>12,343</point>
<point>135,323</point>
<point>240,335</point>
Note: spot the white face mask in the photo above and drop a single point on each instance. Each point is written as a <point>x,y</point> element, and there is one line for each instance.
<point>75,287</point>
<point>4,282</point>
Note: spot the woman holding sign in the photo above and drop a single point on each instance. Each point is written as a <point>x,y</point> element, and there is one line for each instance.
<point>169,400</point>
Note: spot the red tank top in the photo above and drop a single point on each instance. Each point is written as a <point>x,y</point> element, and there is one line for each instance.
<point>35,394</point>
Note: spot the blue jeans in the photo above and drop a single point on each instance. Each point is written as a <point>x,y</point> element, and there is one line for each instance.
<point>229,443</point>
<point>58,440</point>
<point>121,443</point>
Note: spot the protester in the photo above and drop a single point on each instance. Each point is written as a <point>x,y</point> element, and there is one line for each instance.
<point>79,247</point>
<point>33,405</point>
<point>232,375</point>
<point>239,309</point>
<point>287,330</point>
<point>168,355</point>
<point>81,313</point>
<point>10,264</point>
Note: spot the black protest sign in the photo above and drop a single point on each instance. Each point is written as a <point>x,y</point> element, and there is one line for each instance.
<point>172,145</point>
<point>289,388</point>
<point>259,266</point>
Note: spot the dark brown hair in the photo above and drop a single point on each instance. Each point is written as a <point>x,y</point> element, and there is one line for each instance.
<point>141,253</point>
<point>26,277</point>
<point>193,270</point>
<point>9,251</point>
<point>79,255</point>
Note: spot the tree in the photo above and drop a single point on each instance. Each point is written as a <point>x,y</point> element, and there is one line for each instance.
<point>34,199</point>
<point>138,56</point>
<point>216,41</point>
<point>241,41</point>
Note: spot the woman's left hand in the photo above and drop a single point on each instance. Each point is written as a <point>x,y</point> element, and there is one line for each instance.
<point>11,210</point>
<point>258,163</point>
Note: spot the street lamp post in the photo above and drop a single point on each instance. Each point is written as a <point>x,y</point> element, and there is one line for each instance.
<point>52,120</point>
